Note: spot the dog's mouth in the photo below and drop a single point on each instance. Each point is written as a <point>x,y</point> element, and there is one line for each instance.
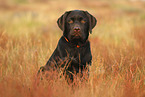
<point>76,36</point>
<point>77,39</point>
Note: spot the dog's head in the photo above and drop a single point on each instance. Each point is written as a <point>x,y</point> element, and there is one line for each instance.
<point>76,25</point>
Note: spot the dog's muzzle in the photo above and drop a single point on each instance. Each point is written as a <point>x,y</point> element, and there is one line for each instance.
<point>77,29</point>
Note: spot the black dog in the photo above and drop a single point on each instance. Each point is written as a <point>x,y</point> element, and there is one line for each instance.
<point>73,49</point>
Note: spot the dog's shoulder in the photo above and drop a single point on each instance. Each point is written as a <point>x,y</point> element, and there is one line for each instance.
<point>62,43</point>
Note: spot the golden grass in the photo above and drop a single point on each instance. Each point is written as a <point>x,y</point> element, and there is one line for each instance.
<point>29,35</point>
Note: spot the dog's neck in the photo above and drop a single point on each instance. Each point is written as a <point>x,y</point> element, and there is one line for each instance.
<point>78,45</point>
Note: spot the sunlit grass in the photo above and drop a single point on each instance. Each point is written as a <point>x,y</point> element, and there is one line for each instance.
<point>29,35</point>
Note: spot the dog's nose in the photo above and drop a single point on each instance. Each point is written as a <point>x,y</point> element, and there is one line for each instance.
<point>76,29</point>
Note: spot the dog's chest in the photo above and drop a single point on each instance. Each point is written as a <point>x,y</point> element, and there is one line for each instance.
<point>76,54</point>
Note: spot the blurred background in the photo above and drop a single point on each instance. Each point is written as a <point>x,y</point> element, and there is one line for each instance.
<point>29,34</point>
<point>40,16</point>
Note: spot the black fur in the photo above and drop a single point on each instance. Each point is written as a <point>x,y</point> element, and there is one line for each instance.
<point>73,48</point>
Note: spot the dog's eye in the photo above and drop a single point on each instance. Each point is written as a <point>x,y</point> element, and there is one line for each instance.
<point>83,21</point>
<point>70,21</point>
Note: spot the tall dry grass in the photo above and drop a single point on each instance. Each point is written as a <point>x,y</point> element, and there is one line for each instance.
<point>29,34</point>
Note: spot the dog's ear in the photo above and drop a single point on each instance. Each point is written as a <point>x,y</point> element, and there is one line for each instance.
<point>92,21</point>
<point>61,20</point>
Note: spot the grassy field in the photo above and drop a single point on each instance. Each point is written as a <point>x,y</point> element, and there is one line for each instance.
<point>29,35</point>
